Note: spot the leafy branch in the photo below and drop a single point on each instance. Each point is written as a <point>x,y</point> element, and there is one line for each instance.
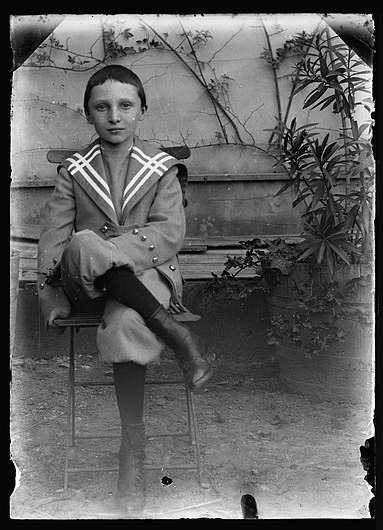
<point>42,57</point>
<point>198,76</point>
<point>297,46</point>
<point>121,42</point>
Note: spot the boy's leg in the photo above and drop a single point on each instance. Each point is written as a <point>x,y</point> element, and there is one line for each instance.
<point>87,263</point>
<point>129,382</point>
<point>83,259</point>
<point>123,286</point>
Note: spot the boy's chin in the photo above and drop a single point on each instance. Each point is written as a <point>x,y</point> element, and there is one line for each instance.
<point>115,142</point>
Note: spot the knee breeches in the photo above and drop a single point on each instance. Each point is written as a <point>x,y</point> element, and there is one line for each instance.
<point>123,335</point>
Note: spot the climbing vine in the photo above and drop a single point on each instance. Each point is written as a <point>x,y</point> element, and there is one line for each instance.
<point>118,40</point>
<point>294,47</point>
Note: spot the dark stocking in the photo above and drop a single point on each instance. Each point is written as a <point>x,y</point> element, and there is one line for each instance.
<point>129,382</point>
<point>122,285</point>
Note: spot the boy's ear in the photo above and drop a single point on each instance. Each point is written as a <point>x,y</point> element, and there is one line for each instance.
<point>143,112</point>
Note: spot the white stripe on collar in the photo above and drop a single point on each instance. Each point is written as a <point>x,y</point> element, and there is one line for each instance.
<point>82,165</point>
<point>150,165</point>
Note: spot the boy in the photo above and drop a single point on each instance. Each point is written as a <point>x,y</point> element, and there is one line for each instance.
<point>114,225</point>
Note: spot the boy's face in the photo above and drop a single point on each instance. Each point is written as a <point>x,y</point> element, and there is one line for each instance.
<point>114,111</point>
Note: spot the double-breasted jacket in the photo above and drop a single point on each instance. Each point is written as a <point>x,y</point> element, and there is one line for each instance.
<point>146,239</point>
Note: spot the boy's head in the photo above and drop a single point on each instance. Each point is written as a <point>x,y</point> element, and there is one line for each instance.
<point>118,73</point>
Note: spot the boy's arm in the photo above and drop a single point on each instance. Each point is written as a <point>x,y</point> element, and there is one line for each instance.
<point>56,230</point>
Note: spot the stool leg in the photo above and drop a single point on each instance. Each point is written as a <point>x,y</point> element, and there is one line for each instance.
<point>70,433</point>
<point>194,433</point>
<point>72,383</point>
<point>190,417</point>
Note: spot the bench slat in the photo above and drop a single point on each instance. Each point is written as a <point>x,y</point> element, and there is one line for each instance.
<point>193,266</point>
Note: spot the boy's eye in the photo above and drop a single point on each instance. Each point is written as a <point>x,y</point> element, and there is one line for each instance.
<point>101,107</point>
<point>125,105</point>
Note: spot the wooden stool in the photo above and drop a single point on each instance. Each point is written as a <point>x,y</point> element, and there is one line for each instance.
<point>82,320</point>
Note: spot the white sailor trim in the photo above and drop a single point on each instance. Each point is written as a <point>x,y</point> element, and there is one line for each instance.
<point>151,162</point>
<point>88,157</point>
<point>150,165</point>
<point>82,165</point>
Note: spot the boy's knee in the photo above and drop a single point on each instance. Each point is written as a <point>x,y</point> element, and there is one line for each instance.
<point>84,243</point>
<point>87,255</point>
<point>75,250</point>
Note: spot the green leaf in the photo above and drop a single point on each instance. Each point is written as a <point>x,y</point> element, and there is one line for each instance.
<point>321,252</point>
<point>307,125</point>
<point>340,56</point>
<point>351,247</point>
<point>317,195</point>
<point>336,86</point>
<point>275,131</point>
<point>285,187</point>
<point>301,86</point>
<point>323,65</point>
<point>338,71</point>
<point>362,128</point>
<point>340,252</point>
<point>329,151</point>
<point>301,198</point>
<point>306,254</point>
<point>351,216</point>
<point>330,260</point>
<point>314,96</point>
<point>325,102</point>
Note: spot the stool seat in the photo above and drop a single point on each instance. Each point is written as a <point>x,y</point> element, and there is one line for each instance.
<point>83,320</point>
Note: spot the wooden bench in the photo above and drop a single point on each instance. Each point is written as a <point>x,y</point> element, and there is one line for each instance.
<point>198,258</point>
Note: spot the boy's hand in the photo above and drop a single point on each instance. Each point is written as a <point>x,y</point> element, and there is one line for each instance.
<point>56,313</point>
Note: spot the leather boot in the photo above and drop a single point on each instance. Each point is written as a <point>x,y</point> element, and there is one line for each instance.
<point>131,479</point>
<point>188,347</point>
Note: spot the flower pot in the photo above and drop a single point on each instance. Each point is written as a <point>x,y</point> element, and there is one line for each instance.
<point>343,372</point>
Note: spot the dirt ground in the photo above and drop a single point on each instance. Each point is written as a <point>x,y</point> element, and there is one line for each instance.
<point>299,458</point>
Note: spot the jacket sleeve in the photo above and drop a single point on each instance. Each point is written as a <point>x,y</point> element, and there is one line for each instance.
<point>161,237</point>
<point>57,227</point>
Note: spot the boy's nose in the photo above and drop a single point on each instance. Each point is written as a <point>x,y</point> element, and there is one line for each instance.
<point>114,115</point>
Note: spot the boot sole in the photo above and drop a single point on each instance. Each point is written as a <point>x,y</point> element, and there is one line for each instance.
<point>197,385</point>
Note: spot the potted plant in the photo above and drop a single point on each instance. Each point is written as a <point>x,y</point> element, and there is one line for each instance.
<point>320,290</point>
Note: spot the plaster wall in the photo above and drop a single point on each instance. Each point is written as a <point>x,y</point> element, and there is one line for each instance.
<point>47,113</point>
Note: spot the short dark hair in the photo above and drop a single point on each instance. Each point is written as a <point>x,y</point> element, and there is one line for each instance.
<point>114,72</point>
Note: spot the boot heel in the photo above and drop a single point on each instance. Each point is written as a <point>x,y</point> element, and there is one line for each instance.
<point>196,386</point>
<point>188,347</point>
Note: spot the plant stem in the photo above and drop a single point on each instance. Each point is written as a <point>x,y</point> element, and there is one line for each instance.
<point>277,93</point>
<point>344,122</point>
<point>296,78</point>
<point>212,98</point>
<point>201,81</point>
<point>320,166</point>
